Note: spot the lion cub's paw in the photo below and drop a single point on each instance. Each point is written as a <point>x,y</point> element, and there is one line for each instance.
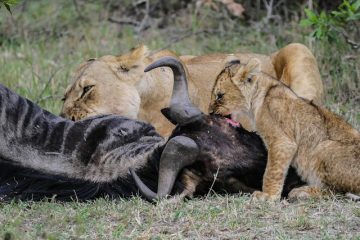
<point>353,197</point>
<point>263,196</point>
<point>304,193</point>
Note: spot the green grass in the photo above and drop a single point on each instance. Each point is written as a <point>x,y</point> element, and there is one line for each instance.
<point>41,46</point>
<point>216,217</point>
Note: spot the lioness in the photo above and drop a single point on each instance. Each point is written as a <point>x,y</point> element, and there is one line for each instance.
<point>118,84</point>
<point>320,145</point>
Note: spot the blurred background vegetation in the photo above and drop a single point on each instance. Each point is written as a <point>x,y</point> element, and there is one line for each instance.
<point>42,42</point>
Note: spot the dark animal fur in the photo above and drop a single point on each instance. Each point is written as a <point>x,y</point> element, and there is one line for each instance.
<point>231,153</point>
<point>27,184</point>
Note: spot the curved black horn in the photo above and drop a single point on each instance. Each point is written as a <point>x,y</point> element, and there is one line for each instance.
<point>179,152</point>
<point>181,110</point>
<point>145,191</point>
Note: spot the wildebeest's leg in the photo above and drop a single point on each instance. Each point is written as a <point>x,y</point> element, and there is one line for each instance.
<point>190,182</point>
<point>178,153</point>
<point>238,186</point>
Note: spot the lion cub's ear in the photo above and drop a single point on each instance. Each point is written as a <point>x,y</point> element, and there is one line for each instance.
<point>231,64</point>
<point>245,73</point>
<point>231,60</point>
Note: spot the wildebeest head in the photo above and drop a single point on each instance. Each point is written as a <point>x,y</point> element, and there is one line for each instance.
<point>197,138</point>
<point>181,112</point>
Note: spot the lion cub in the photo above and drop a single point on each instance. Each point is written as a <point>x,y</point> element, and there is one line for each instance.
<point>324,149</point>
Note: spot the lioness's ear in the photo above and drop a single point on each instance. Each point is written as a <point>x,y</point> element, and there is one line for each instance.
<point>140,52</point>
<point>129,61</point>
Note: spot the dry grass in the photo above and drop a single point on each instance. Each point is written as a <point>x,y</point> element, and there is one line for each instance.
<point>216,217</point>
<point>39,49</point>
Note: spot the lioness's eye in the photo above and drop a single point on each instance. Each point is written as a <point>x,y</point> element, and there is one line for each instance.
<point>124,69</point>
<point>86,89</point>
<point>249,79</point>
<point>63,99</point>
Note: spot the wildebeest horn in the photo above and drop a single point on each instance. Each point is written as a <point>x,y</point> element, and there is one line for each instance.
<point>179,152</point>
<point>181,110</point>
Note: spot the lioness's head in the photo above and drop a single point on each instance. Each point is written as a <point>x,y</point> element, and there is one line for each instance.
<point>106,85</point>
<point>233,87</point>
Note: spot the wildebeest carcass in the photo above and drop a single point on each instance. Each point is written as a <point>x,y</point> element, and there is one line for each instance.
<point>42,155</point>
<point>225,156</point>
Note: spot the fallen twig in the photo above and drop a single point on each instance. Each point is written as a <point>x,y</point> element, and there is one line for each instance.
<point>212,184</point>
<point>177,39</point>
<point>127,21</point>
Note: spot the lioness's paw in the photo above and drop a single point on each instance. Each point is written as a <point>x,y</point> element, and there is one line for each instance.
<point>263,196</point>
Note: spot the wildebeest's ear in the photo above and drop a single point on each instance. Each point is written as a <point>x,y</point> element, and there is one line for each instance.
<point>166,113</point>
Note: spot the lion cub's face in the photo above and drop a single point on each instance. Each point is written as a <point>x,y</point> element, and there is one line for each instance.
<point>107,85</point>
<point>233,88</point>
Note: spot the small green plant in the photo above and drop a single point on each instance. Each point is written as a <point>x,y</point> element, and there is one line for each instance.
<point>8,3</point>
<point>329,25</point>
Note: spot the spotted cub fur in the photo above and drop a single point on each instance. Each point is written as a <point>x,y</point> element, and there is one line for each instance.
<point>323,148</point>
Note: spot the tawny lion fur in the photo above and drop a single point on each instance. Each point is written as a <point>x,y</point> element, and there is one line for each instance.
<point>118,84</point>
<point>320,145</point>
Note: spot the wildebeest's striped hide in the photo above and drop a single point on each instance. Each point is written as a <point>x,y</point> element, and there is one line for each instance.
<point>42,154</point>
<point>27,184</point>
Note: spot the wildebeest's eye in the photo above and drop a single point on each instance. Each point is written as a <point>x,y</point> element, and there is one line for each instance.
<point>219,96</point>
<point>87,89</point>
